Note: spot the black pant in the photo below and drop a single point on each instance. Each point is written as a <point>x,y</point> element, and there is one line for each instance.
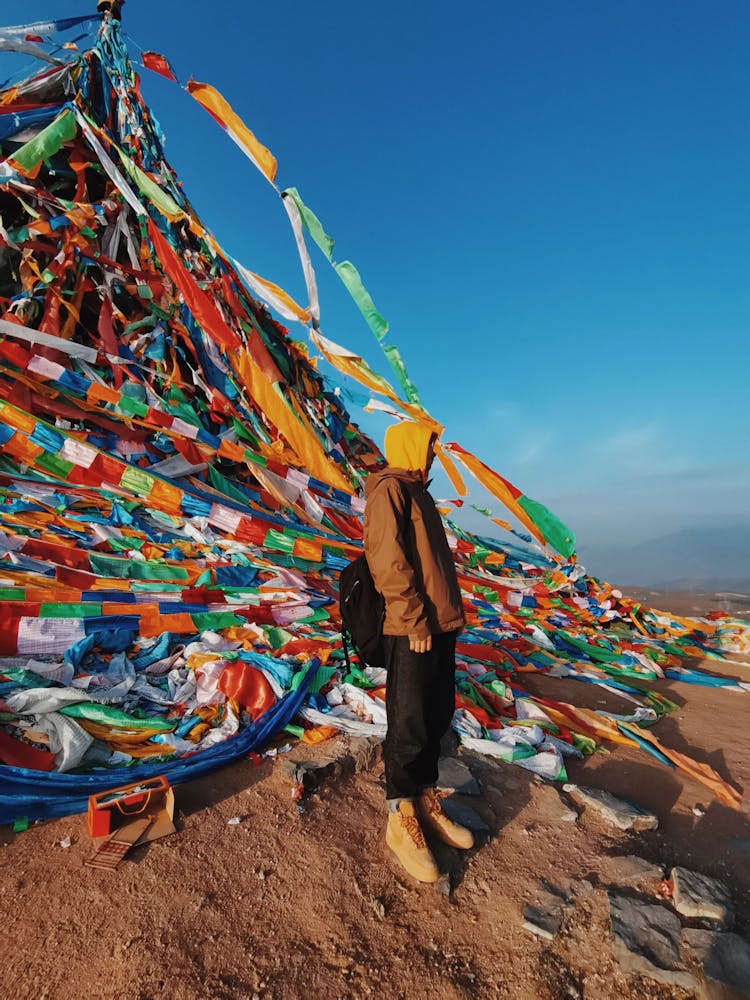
<point>420,700</point>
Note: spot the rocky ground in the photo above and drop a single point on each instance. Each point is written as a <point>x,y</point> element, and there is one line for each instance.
<point>265,892</point>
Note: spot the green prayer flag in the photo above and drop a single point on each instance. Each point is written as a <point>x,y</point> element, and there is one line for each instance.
<point>12,594</point>
<point>133,407</point>
<point>277,637</point>
<point>583,743</point>
<point>106,715</point>
<point>47,142</point>
<point>298,731</point>
<point>150,189</point>
<point>215,620</point>
<point>56,466</point>
<point>137,481</point>
<point>350,276</point>
<point>225,486</point>
<point>397,364</point>
<point>311,222</point>
<point>133,569</point>
<point>482,510</point>
<point>278,541</point>
<point>557,534</point>
<point>125,544</point>
<point>70,610</point>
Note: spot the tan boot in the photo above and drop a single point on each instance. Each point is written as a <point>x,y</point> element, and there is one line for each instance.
<point>405,838</point>
<point>430,811</point>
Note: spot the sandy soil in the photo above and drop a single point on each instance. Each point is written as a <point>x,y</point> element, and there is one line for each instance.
<point>307,901</point>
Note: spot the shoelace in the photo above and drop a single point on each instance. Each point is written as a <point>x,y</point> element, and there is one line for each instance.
<point>432,801</point>
<point>414,830</point>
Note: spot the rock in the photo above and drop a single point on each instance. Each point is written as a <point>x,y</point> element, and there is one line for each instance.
<point>289,768</point>
<point>339,758</point>
<point>504,779</point>
<point>645,941</point>
<point>449,743</point>
<point>725,957</point>
<point>364,751</point>
<point>465,816</point>
<point>551,894</point>
<point>698,895</point>
<point>545,922</point>
<point>623,814</point>
<point>553,805</point>
<point>453,776</point>
<point>582,887</point>
<point>635,871</point>
<point>443,885</point>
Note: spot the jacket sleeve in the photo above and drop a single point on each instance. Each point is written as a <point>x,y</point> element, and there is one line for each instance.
<point>385,549</point>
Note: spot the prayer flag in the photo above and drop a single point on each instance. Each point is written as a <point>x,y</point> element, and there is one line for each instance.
<point>158,63</point>
<point>220,109</point>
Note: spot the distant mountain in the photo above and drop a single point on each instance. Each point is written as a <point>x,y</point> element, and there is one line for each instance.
<point>707,558</point>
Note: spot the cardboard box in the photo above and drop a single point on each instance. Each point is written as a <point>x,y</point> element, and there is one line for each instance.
<point>152,799</point>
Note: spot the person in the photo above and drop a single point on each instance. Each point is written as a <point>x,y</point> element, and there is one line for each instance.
<point>412,567</point>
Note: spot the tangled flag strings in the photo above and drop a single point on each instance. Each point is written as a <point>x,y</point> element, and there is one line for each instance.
<point>180,489</point>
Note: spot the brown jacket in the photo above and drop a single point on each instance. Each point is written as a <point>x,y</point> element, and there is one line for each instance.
<point>409,556</point>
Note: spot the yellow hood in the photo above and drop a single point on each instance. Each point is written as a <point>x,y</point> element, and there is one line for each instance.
<point>406,446</point>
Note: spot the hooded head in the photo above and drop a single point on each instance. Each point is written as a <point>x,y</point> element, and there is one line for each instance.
<point>409,445</point>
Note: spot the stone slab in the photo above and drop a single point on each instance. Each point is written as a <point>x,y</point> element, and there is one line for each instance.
<point>455,776</point>
<point>633,871</point>
<point>623,814</point>
<point>646,941</point>
<point>335,759</point>
<point>464,815</point>
<point>700,896</point>
<point>545,922</point>
<point>725,957</point>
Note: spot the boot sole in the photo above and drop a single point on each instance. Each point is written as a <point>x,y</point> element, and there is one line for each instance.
<point>445,836</point>
<point>428,875</point>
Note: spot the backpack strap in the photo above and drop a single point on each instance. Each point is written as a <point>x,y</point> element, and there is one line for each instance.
<point>345,646</point>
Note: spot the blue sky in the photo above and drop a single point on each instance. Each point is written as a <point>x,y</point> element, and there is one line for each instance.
<point>548,201</point>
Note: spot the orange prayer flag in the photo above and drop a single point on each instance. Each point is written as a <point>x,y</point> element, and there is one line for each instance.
<point>319,734</point>
<point>97,393</point>
<point>22,449</point>
<point>450,469</point>
<point>222,112</point>
<point>18,419</point>
<point>307,548</point>
<point>165,496</point>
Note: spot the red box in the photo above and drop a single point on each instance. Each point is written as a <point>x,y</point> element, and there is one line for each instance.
<point>152,798</point>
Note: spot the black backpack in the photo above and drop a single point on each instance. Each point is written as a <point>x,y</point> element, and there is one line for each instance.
<point>362,613</point>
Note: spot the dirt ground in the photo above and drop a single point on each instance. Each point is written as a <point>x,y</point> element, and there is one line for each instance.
<point>302,898</point>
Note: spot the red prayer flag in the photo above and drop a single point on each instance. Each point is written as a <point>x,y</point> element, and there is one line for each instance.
<point>158,64</point>
<point>34,38</point>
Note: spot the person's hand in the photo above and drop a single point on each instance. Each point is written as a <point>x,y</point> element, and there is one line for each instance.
<point>420,645</point>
